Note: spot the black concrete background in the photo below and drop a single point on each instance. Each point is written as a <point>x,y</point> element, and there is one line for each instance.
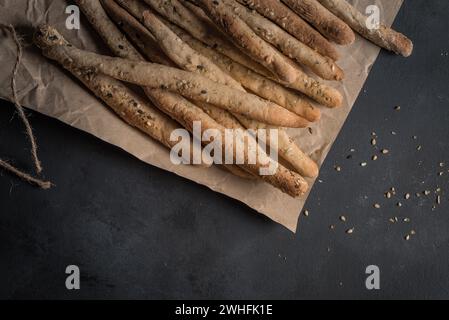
<point>139,232</point>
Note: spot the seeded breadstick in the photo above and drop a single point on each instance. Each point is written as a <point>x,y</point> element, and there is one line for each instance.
<point>382,36</point>
<point>96,15</point>
<point>180,53</point>
<point>253,81</point>
<point>176,12</point>
<point>323,20</point>
<point>138,34</point>
<point>283,16</point>
<point>322,66</point>
<point>319,92</point>
<point>247,40</point>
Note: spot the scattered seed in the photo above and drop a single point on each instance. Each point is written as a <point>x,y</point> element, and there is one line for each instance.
<point>407,196</point>
<point>374,158</point>
<point>406,219</point>
<point>407,237</point>
<point>352,150</point>
<point>440,173</point>
<point>399,204</point>
<point>363,164</point>
<point>343,218</point>
<point>332,227</point>
<point>306,213</point>
<point>396,219</point>
<point>350,231</point>
<point>373,141</point>
<point>337,168</point>
<point>413,232</point>
<point>391,220</point>
<point>441,164</point>
<point>388,195</point>
<point>419,148</point>
<point>426,192</point>
<point>438,190</point>
<point>397,108</point>
<point>377,206</point>
<point>393,190</point>
<point>393,133</point>
<point>415,137</point>
<point>438,199</point>
<point>385,151</point>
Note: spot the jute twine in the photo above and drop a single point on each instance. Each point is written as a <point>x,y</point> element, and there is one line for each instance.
<point>29,131</point>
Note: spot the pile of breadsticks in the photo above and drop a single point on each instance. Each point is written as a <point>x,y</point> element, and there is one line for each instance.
<point>228,64</point>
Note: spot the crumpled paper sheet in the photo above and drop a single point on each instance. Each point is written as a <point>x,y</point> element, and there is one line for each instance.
<point>46,88</point>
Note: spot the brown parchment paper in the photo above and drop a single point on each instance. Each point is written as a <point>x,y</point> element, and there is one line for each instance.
<point>46,88</point>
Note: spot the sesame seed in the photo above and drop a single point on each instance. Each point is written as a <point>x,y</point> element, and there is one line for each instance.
<point>388,195</point>
<point>363,164</point>
<point>407,196</point>
<point>399,204</point>
<point>377,206</point>
<point>350,231</point>
<point>343,218</point>
<point>397,108</point>
<point>306,213</point>
<point>373,141</point>
<point>407,237</point>
<point>374,158</point>
<point>385,151</point>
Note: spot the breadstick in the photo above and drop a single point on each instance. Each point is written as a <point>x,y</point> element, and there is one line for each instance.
<point>137,33</point>
<point>288,149</point>
<point>319,92</point>
<point>382,36</point>
<point>183,55</point>
<point>96,15</point>
<point>284,17</point>
<point>253,81</point>
<point>176,12</point>
<point>322,66</point>
<point>247,40</point>
<point>323,20</point>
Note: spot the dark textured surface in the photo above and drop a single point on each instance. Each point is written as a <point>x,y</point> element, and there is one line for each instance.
<point>139,232</point>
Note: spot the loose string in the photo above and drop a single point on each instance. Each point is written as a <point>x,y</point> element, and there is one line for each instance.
<point>29,131</point>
